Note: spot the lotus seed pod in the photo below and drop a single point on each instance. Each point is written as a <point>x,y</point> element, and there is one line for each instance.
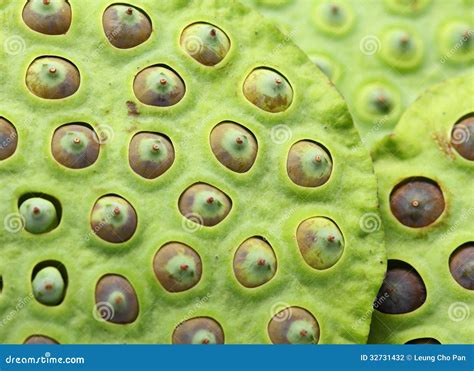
<point>333,17</point>
<point>417,202</point>
<point>234,146</point>
<point>378,102</point>
<point>293,325</point>
<point>113,219</point>
<point>177,266</point>
<point>361,38</point>
<point>48,286</point>
<point>204,204</point>
<point>254,262</point>
<point>116,300</point>
<point>199,330</point>
<point>403,289</point>
<point>39,215</point>
<point>462,137</point>
<point>75,146</point>
<point>159,86</point>
<point>126,26</point>
<point>150,154</point>
<point>440,255</point>
<point>404,49</point>
<point>8,139</point>
<point>308,164</point>
<point>50,17</point>
<point>40,339</point>
<point>423,341</point>
<point>461,265</point>
<point>52,78</point>
<point>205,42</point>
<point>268,90</point>
<point>320,242</point>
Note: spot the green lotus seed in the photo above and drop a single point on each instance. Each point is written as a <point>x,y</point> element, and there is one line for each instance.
<point>150,154</point>
<point>320,242</point>
<point>199,330</point>
<point>39,215</point>
<point>113,219</point>
<point>461,265</point>
<point>159,86</point>
<point>48,286</point>
<point>50,17</point>
<point>403,49</point>
<point>234,146</point>
<point>457,42</point>
<point>177,266</point>
<point>52,78</point>
<point>254,262</point>
<point>204,204</point>
<point>308,164</point>
<point>75,146</point>
<point>205,42</point>
<point>417,202</point>
<point>462,137</point>
<point>116,300</point>
<point>126,26</point>
<point>293,325</point>
<point>8,139</point>
<point>40,339</point>
<point>268,90</point>
<point>402,290</point>
<point>333,17</point>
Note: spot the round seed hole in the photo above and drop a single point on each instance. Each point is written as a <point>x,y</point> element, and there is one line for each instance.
<point>40,213</point>
<point>8,139</point>
<point>293,325</point>
<point>49,282</point>
<point>461,265</point>
<point>48,17</point>
<point>462,137</point>
<point>199,330</point>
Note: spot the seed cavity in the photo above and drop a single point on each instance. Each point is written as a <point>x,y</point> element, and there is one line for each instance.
<point>268,90</point>
<point>423,341</point>
<point>116,300</point>
<point>255,262</point>
<point>403,48</point>
<point>457,42</point>
<point>150,154</point>
<point>40,214</point>
<point>461,265</point>
<point>40,339</point>
<point>8,139</point>
<point>333,17</point>
<point>462,137</point>
<point>204,204</point>
<point>205,42</point>
<point>402,290</point>
<point>198,330</point>
<point>126,26</point>
<point>159,86</point>
<point>52,78</point>
<point>293,325</point>
<point>75,146</point>
<point>49,282</point>
<point>320,242</point>
<point>48,17</point>
<point>234,146</point>
<point>177,267</point>
<point>308,164</point>
<point>417,202</point>
<point>113,219</point>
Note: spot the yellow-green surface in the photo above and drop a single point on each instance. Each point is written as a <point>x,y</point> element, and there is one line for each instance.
<point>356,52</point>
<point>265,201</point>
<point>420,147</point>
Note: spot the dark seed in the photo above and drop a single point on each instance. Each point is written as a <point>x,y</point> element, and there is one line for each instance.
<point>462,137</point>
<point>40,339</point>
<point>402,291</point>
<point>293,325</point>
<point>75,146</point>
<point>461,265</point>
<point>8,139</point>
<point>199,330</point>
<point>417,202</point>
<point>150,154</point>
<point>116,300</point>
<point>48,17</point>
<point>423,341</point>
<point>177,266</point>
<point>126,26</point>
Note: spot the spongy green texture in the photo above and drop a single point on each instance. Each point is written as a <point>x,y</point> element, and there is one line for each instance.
<point>420,147</point>
<point>361,55</point>
<point>264,200</point>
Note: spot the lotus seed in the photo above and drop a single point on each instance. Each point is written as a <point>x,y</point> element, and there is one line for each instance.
<point>199,330</point>
<point>48,286</point>
<point>39,215</point>
<point>293,325</point>
<point>8,139</point>
<point>48,17</point>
